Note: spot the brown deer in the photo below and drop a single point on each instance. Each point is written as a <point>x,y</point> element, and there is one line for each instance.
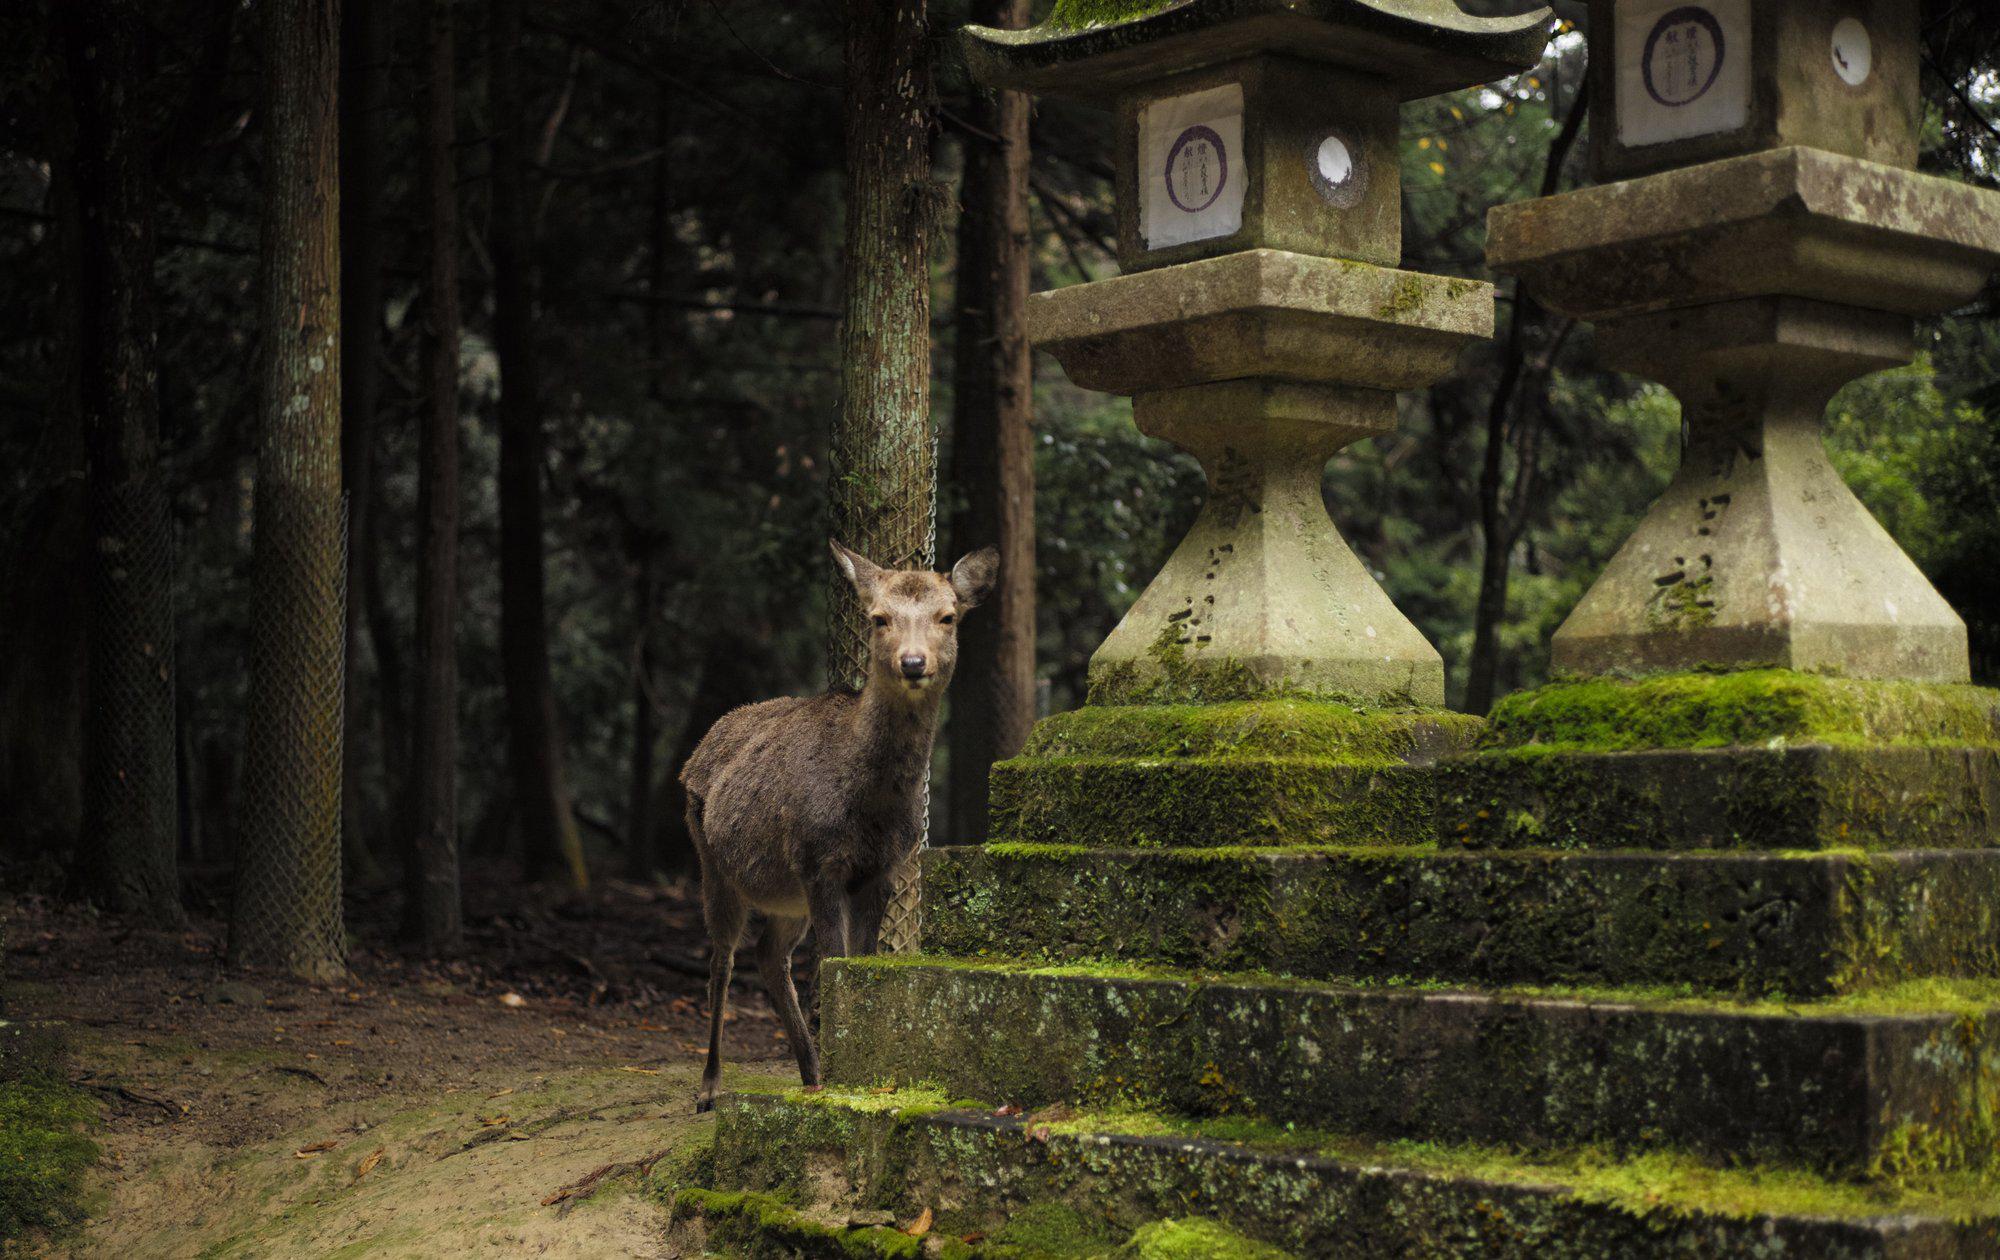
<point>801,808</point>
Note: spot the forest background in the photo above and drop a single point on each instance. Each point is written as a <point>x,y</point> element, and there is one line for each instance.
<point>651,195</point>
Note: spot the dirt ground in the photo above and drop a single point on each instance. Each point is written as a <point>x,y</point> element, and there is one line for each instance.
<point>420,1109</point>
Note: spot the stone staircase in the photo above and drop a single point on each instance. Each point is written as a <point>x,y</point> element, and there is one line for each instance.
<point>1424,1044</point>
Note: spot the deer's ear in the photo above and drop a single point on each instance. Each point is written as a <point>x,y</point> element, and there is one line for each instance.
<point>973,577</point>
<point>855,567</point>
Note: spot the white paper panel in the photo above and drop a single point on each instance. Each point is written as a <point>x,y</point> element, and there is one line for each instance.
<point>1191,175</point>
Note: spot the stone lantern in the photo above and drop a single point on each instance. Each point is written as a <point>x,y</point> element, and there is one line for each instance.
<point>1764,241</point>
<point>1260,323</point>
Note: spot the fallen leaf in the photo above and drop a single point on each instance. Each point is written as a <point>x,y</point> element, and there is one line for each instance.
<point>977,1235</point>
<point>1039,1133</point>
<point>501,1093</point>
<point>368,1165</point>
<point>491,1121</point>
<point>1011,1109</point>
<point>921,1226</point>
<point>512,999</point>
<point>307,1152</point>
<point>641,1071</point>
<point>555,1198</point>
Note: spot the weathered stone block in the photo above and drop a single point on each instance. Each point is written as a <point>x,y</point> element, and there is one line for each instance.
<point>1803,925</point>
<point>1795,222</point>
<point>1675,83</point>
<point>1096,1177</point>
<point>1768,759</point>
<point>1829,1087</point>
<point>1282,772</point>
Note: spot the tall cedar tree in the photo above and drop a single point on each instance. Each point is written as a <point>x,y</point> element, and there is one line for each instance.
<point>130,791</point>
<point>992,451</point>
<point>434,913</point>
<point>884,461</point>
<point>643,547</point>
<point>287,906</point>
<point>363,169</point>
<point>534,746</point>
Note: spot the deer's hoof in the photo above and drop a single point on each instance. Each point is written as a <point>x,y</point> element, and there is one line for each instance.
<point>704,1103</point>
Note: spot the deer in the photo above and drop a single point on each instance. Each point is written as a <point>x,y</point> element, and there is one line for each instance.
<point>804,807</point>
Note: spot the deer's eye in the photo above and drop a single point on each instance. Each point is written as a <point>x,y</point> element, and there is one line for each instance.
<point>947,619</point>
<point>880,619</point>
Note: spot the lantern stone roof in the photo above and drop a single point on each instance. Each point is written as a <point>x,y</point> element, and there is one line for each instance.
<point>1090,50</point>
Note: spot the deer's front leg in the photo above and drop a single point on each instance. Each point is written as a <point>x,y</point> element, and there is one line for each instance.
<point>826,898</point>
<point>870,903</point>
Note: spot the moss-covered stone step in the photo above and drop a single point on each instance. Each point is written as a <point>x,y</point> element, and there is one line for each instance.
<point>1068,1183</point>
<point>1273,771</point>
<point>1841,1085</point>
<point>1768,758</point>
<point>1806,925</point>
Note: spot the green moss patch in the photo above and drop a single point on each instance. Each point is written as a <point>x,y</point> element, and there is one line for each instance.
<point>1262,728</point>
<point>1077,15</point>
<point>45,1148</point>
<point>1195,1238</point>
<point>1748,707</point>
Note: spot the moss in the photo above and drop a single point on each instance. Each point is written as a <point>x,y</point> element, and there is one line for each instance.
<point>45,1148</point>
<point>1076,15</point>
<point>1195,1238</point>
<point>1053,1228</point>
<point>1799,924</point>
<point>1405,296</point>
<point>1746,707</point>
<point>1114,1161</point>
<point>1282,727</point>
<point>747,1216</point>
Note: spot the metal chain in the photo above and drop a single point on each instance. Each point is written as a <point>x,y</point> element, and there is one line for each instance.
<point>883,482</point>
<point>288,909</point>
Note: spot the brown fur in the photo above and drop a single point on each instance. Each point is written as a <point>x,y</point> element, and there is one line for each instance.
<point>802,808</point>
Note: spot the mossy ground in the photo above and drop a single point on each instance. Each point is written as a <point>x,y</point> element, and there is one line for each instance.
<point>1076,15</point>
<point>46,1142</point>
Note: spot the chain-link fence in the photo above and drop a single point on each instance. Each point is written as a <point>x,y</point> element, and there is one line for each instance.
<point>885,507</point>
<point>131,802</point>
<point>287,906</point>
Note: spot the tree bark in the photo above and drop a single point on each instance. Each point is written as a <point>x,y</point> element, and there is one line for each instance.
<point>640,860</point>
<point>883,456</point>
<point>363,168</point>
<point>534,744</point>
<point>287,907</point>
<point>131,809</point>
<point>992,453</point>
<point>434,914</point>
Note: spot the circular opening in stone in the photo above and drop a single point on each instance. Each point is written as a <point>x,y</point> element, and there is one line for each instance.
<point>1336,164</point>
<point>1337,169</point>
<point>1853,52</point>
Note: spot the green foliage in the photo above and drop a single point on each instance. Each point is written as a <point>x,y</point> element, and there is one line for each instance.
<point>1195,1238</point>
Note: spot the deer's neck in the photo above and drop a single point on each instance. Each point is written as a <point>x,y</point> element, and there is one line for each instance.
<point>896,730</point>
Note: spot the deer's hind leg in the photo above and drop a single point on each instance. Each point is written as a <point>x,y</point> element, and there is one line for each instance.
<point>725,913</point>
<point>774,962</point>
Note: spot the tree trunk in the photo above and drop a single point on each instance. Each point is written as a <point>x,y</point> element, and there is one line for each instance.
<point>1497,526</point>
<point>992,452</point>
<point>130,810</point>
<point>534,747</point>
<point>434,914</point>
<point>287,907</point>
<point>363,168</point>
<point>883,456</point>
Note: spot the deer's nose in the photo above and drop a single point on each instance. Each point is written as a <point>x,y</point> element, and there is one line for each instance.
<point>913,665</point>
